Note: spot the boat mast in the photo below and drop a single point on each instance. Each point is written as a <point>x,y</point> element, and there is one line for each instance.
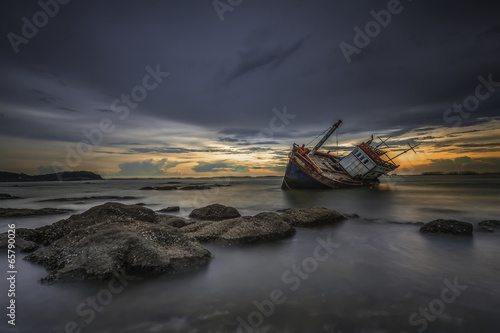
<point>327,135</point>
<point>404,152</point>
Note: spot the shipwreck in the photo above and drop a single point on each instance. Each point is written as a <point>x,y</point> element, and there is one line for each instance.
<point>313,169</point>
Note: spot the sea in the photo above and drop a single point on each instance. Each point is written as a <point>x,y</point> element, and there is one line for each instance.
<point>374,272</point>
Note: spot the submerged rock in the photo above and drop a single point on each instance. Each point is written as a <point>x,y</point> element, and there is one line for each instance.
<point>4,196</point>
<point>195,187</point>
<point>447,227</point>
<point>215,212</point>
<point>311,217</point>
<point>20,212</point>
<point>247,229</point>
<point>102,197</point>
<point>489,225</point>
<point>170,209</point>
<point>110,238</point>
<point>165,188</point>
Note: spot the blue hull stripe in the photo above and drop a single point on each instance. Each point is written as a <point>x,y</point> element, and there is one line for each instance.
<point>295,178</point>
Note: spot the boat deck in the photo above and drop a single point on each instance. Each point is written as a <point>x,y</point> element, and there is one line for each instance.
<point>327,164</point>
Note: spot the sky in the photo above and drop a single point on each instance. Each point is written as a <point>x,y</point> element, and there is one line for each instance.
<point>204,88</point>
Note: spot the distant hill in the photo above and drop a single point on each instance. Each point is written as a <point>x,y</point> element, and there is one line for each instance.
<point>66,176</point>
<point>452,173</point>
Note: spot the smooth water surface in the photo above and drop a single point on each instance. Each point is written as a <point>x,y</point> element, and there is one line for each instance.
<point>371,278</point>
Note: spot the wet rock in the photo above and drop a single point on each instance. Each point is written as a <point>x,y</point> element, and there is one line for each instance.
<point>489,225</point>
<point>5,196</point>
<point>215,212</point>
<point>195,187</point>
<point>20,212</point>
<point>148,188</point>
<point>103,197</point>
<point>311,217</point>
<point>105,249</point>
<point>111,238</point>
<point>165,188</point>
<point>21,244</point>
<point>108,212</point>
<point>247,229</point>
<point>170,209</point>
<point>447,227</point>
<point>176,221</point>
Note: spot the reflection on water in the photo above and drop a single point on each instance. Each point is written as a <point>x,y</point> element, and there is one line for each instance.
<point>379,274</point>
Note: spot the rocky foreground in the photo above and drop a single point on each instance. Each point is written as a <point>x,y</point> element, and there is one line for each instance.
<point>111,238</point>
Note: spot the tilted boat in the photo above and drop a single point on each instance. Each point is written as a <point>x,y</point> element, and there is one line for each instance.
<point>312,169</point>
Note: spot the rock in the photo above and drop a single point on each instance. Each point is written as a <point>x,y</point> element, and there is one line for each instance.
<point>148,188</point>
<point>489,225</point>
<point>312,216</point>
<point>165,188</point>
<point>195,187</point>
<point>20,212</point>
<point>112,238</point>
<point>103,250</point>
<point>170,209</point>
<point>447,227</point>
<point>215,212</point>
<point>21,244</point>
<point>103,197</point>
<point>5,196</point>
<point>247,229</point>
<point>176,221</point>
<point>108,212</point>
<point>140,204</point>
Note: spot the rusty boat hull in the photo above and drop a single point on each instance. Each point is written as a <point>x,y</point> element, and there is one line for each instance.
<point>313,169</point>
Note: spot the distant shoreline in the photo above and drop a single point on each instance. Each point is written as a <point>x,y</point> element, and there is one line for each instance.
<point>61,176</point>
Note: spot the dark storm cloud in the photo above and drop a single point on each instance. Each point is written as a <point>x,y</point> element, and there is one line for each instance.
<point>254,58</point>
<point>173,150</point>
<point>66,109</point>
<point>228,76</point>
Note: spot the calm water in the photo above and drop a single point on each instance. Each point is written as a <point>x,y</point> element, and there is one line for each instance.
<point>378,274</point>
